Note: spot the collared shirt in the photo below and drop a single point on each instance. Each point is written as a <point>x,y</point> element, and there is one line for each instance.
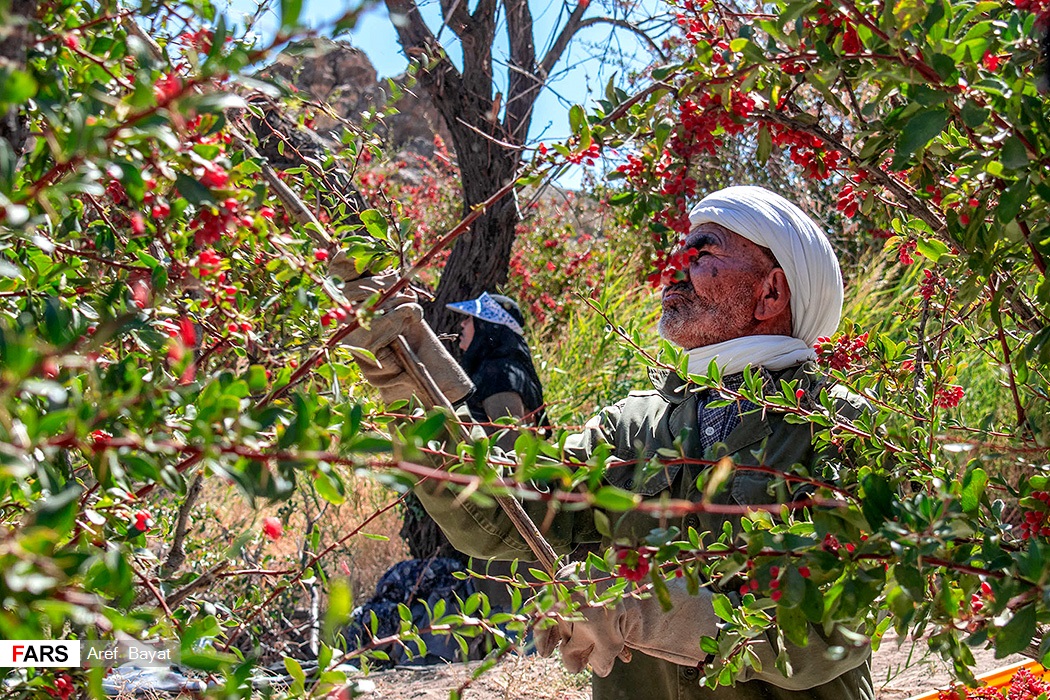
<point>717,422</point>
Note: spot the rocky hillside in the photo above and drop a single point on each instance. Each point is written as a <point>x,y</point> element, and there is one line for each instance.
<point>336,73</point>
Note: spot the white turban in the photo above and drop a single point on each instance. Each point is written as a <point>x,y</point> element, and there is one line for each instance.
<point>808,261</point>
<point>801,248</point>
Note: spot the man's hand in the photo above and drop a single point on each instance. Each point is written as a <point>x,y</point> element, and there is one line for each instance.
<point>597,640</point>
<point>400,315</point>
<point>609,632</point>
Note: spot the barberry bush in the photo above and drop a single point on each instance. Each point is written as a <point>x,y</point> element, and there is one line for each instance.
<point>169,321</point>
<point>917,132</point>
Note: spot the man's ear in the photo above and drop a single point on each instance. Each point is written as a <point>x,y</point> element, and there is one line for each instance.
<point>775,300</point>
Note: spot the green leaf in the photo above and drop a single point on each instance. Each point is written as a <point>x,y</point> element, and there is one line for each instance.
<point>1017,633</point>
<point>16,86</point>
<point>615,499</point>
<point>375,223</point>
<point>973,489</point>
<point>329,489</point>
<point>59,511</point>
<point>920,130</point>
<point>792,622</point>
<point>930,248</point>
<point>660,589</point>
<point>290,11</point>
<point>723,608</point>
<point>1014,155</point>
<point>1011,201</point>
<point>194,192</point>
<point>577,117</point>
<point>257,378</point>
<point>765,143</point>
<point>973,115</point>
<point>295,670</point>
<point>878,499</point>
<point>909,12</point>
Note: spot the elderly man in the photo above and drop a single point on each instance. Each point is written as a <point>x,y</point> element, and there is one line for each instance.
<point>762,284</point>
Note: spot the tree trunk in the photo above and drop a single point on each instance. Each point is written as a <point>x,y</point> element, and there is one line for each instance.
<point>14,126</point>
<point>480,259</point>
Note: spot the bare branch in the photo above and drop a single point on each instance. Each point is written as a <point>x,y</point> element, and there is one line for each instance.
<point>417,39</point>
<point>572,25</point>
<point>629,26</point>
<point>455,16</point>
<point>177,553</point>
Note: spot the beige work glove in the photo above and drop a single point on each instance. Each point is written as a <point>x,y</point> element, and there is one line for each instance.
<point>400,315</point>
<point>613,630</point>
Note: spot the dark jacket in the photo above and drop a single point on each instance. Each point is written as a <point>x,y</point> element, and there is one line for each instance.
<point>636,428</point>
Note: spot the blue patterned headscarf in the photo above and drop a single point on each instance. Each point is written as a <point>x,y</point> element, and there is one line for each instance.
<point>488,309</point>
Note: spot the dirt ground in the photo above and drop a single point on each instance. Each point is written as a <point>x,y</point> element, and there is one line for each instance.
<point>898,671</point>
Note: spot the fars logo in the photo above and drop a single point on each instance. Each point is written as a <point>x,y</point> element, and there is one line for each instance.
<point>36,653</point>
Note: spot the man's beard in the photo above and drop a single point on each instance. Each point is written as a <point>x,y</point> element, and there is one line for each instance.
<point>692,322</point>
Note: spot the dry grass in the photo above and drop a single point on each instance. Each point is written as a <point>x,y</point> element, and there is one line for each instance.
<point>225,527</point>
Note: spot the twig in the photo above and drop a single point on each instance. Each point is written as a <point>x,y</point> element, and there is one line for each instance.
<point>205,579</point>
<point>177,554</point>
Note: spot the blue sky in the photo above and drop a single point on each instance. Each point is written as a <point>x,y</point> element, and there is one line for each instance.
<point>582,73</point>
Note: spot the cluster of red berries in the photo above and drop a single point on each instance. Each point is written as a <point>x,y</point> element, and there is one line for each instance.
<point>847,200</point>
<point>633,563</point>
<point>841,353</point>
<point>209,263</point>
<point>832,544</point>
<point>806,151</point>
<point>850,39</point>
<point>1023,686</point>
<point>167,88</point>
<point>143,520</point>
<point>931,283</point>
<point>336,314</point>
<point>633,169</point>
<point>904,252</point>
<point>774,581</point>
<point>62,687</point>
<point>211,223</point>
<point>977,600</point>
<point>586,156</point>
<point>272,528</point>
<point>671,268</point>
<point>100,439</point>
<point>1036,522</point>
<point>948,397</point>
<point>200,40</point>
<point>1040,8</point>
<point>701,119</point>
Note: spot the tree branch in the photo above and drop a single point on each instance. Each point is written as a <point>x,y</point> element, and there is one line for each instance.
<point>177,553</point>
<point>629,26</point>
<point>572,25</point>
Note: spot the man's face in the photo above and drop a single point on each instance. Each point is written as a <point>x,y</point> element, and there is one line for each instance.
<point>723,284</point>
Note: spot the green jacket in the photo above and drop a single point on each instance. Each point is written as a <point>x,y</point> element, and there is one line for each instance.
<point>636,428</point>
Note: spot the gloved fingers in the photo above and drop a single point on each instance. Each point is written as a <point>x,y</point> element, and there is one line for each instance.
<point>359,291</point>
<point>384,366</point>
<point>576,649</point>
<point>384,327</point>
<point>547,639</point>
<point>602,658</point>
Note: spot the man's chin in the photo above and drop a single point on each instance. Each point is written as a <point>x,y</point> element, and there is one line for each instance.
<point>671,329</point>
